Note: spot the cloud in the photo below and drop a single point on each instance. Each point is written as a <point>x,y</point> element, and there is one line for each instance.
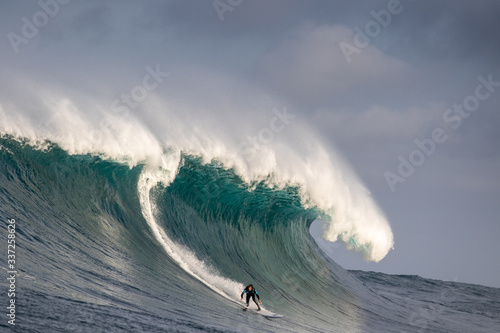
<point>448,31</point>
<point>379,123</point>
<point>311,68</point>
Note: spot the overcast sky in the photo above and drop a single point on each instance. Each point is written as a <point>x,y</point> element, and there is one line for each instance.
<point>370,77</point>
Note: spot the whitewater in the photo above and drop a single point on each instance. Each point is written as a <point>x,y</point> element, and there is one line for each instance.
<point>156,219</point>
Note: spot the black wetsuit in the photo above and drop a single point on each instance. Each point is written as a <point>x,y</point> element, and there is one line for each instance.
<point>251,293</point>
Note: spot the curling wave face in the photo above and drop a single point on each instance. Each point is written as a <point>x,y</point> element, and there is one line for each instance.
<point>95,226</point>
<point>151,249</point>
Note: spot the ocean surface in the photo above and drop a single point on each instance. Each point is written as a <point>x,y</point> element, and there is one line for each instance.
<point>102,245</point>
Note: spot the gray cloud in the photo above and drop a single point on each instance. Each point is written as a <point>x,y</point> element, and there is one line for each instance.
<point>311,68</point>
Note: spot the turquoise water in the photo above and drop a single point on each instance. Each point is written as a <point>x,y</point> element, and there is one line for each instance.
<point>96,251</point>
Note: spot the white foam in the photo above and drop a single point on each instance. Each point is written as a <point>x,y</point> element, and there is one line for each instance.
<point>185,258</point>
<point>212,122</point>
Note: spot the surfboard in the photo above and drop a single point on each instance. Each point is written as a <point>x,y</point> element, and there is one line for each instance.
<point>262,312</point>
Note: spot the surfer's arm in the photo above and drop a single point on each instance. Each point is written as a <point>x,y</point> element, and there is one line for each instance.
<point>243,293</point>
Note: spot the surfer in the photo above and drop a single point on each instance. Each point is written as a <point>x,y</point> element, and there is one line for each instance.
<point>251,292</point>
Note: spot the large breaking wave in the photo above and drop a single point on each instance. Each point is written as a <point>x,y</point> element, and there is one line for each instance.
<point>226,200</point>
